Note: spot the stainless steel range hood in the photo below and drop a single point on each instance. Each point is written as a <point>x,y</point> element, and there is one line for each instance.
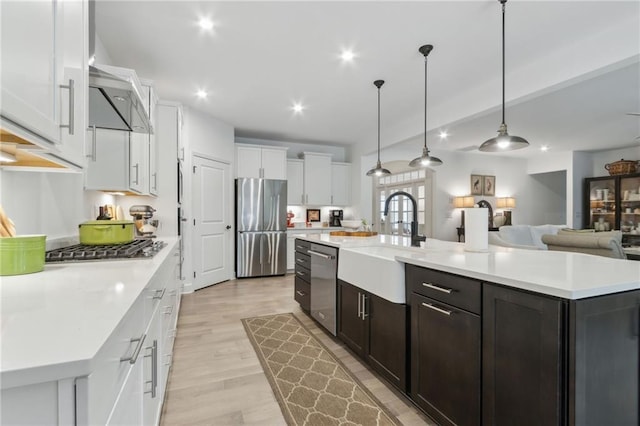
<point>115,94</point>
<point>115,102</point>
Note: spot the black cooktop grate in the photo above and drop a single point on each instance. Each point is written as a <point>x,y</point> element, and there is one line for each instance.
<point>79,252</point>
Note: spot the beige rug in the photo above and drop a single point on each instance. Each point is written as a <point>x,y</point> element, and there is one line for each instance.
<point>310,384</point>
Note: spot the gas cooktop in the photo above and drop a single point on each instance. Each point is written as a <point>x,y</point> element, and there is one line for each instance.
<point>142,248</point>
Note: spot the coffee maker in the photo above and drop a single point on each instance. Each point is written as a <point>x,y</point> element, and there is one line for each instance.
<point>335,216</point>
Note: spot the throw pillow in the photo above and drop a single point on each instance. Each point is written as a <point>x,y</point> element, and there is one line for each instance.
<point>538,231</point>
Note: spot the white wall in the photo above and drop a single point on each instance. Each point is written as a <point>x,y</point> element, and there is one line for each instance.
<point>549,191</point>
<point>600,159</point>
<point>213,138</point>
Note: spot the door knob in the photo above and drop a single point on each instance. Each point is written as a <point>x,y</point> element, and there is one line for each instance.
<point>228,226</point>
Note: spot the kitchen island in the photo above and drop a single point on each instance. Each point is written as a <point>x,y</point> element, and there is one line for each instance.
<point>79,340</point>
<point>509,336</point>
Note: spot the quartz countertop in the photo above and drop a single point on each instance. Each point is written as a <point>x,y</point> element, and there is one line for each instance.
<point>54,322</point>
<point>555,273</point>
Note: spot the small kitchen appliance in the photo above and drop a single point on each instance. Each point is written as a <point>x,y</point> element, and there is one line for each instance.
<point>335,217</point>
<point>142,217</point>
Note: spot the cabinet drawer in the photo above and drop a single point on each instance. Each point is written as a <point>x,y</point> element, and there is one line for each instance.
<point>302,294</point>
<point>303,273</point>
<point>303,260</point>
<point>302,246</point>
<point>461,292</point>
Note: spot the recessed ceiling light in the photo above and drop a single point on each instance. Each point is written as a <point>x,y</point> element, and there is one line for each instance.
<point>347,55</point>
<point>206,24</point>
<point>297,108</point>
<point>544,148</point>
<point>444,134</point>
<point>119,98</point>
<point>202,94</point>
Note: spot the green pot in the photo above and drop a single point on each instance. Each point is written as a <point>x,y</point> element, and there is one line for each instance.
<point>22,255</point>
<point>101,232</point>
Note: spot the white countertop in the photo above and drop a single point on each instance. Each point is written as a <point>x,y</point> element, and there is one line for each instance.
<point>55,321</point>
<point>556,273</point>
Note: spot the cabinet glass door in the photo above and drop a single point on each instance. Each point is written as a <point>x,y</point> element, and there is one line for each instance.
<point>630,204</point>
<point>602,204</point>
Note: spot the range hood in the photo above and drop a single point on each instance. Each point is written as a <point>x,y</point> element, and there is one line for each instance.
<point>115,94</point>
<point>116,101</point>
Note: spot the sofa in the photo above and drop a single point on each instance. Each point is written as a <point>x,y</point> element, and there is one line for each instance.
<point>523,236</point>
<point>608,244</point>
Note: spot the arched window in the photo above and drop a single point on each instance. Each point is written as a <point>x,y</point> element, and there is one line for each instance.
<point>418,183</point>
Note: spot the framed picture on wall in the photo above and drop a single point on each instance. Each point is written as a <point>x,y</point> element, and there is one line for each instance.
<point>476,185</point>
<point>489,185</point>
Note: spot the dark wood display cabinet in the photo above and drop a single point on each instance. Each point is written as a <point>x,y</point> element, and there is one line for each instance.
<point>376,330</point>
<point>445,345</point>
<point>302,288</point>
<point>613,202</point>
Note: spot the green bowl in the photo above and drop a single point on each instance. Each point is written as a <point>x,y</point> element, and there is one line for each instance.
<point>22,254</point>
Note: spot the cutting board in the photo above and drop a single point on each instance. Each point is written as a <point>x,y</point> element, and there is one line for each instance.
<point>352,233</point>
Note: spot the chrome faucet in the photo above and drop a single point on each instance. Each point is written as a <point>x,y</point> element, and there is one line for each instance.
<point>415,238</point>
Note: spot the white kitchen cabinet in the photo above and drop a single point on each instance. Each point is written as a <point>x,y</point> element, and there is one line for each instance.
<point>291,251</point>
<point>44,74</point>
<point>128,406</point>
<point>317,179</point>
<point>255,161</point>
<point>152,169</point>
<point>139,163</point>
<point>340,184</point>
<point>295,182</point>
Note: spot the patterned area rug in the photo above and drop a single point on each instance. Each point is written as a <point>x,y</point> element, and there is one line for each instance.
<point>310,384</point>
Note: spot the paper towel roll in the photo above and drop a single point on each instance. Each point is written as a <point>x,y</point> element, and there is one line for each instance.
<point>476,229</point>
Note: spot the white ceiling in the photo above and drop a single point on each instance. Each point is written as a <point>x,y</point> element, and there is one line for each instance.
<point>572,68</point>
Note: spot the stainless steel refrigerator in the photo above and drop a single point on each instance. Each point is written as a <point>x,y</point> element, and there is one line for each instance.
<point>261,224</point>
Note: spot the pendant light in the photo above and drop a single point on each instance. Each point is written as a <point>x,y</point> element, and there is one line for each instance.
<point>425,160</point>
<point>504,141</point>
<point>378,170</point>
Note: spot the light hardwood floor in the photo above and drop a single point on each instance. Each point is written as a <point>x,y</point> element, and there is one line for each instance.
<point>216,378</point>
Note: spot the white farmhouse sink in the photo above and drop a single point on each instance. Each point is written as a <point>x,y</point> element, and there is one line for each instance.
<point>375,270</point>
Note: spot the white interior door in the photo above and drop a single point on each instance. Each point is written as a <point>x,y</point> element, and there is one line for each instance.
<point>212,234</point>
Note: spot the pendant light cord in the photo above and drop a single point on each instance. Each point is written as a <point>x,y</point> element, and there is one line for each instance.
<point>378,125</point>
<point>503,60</point>
<point>425,102</point>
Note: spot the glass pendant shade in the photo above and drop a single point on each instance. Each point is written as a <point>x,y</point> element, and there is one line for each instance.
<point>378,170</point>
<point>504,141</point>
<point>425,160</point>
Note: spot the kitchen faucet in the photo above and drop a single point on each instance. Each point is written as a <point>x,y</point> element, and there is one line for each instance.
<point>415,238</point>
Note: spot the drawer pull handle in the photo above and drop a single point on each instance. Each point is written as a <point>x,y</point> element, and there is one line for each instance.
<point>160,293</point>
<point>435,287</point>
<point>301,260</point>
<point>322,255</point>
<point>300,293</point>
<point>168,310</point>
<point>134,357</point>
<point>435,308</point>
<point>300,247</point>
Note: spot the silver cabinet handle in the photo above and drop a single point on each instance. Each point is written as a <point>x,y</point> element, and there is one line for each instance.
<point>168,310</point>
<point>435,308</point>
<point>169,356</point>
<point>300,247</point>
<point>364,307</point>
<point>332,199</point>
<point>155,181</point>
<point>302,274</point>
<point>322,255</point>
<point>435,287</point>
<point>137,166</point>
<point>94,143</point>
<point>359,305</point>
<point>159,293</point>
<point>134,357</point>
<point>301,261</point>
<point>300,293</point>
<point>71,87</point>
<point>302,200</point>
<point>154,368</point>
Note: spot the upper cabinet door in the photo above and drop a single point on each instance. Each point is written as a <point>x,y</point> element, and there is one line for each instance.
<point>340,184</point>
<point>295,182</point>
<point>31,73</point>
<point>317,179</point>
<point>248,161</point>
<point>274,163</point>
